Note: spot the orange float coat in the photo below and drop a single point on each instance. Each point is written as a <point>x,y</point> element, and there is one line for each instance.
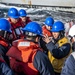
<point>23,53</point>
<point>45,31</point>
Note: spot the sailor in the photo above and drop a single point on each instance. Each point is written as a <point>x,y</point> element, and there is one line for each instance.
<point>69,66</point>
<point>27,56</point>
<point>58,47</point>
<point>16,24</point>
<point>5,30</point>
<point>23,15</point>
<point>46,31</point>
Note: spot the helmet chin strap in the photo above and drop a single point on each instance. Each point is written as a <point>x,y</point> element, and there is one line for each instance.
<point>5,34</point>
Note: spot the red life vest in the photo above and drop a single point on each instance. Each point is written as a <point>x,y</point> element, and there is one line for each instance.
<point>3,42</point>
<point>27,21</point>
<point>45,31</point>
<point>24,52</point>
<point>17,33</point>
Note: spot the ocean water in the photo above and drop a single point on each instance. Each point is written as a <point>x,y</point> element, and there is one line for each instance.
<point>39,15</point>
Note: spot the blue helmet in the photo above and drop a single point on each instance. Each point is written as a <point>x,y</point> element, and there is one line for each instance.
<point>49,21</point>
<point>13,13</point>
<point>57,26</point>
<point>34,28</point>
<point>22,13</point>
<point>5,25</point>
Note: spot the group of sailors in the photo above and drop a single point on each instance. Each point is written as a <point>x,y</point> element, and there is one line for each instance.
<point>28,48</point>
